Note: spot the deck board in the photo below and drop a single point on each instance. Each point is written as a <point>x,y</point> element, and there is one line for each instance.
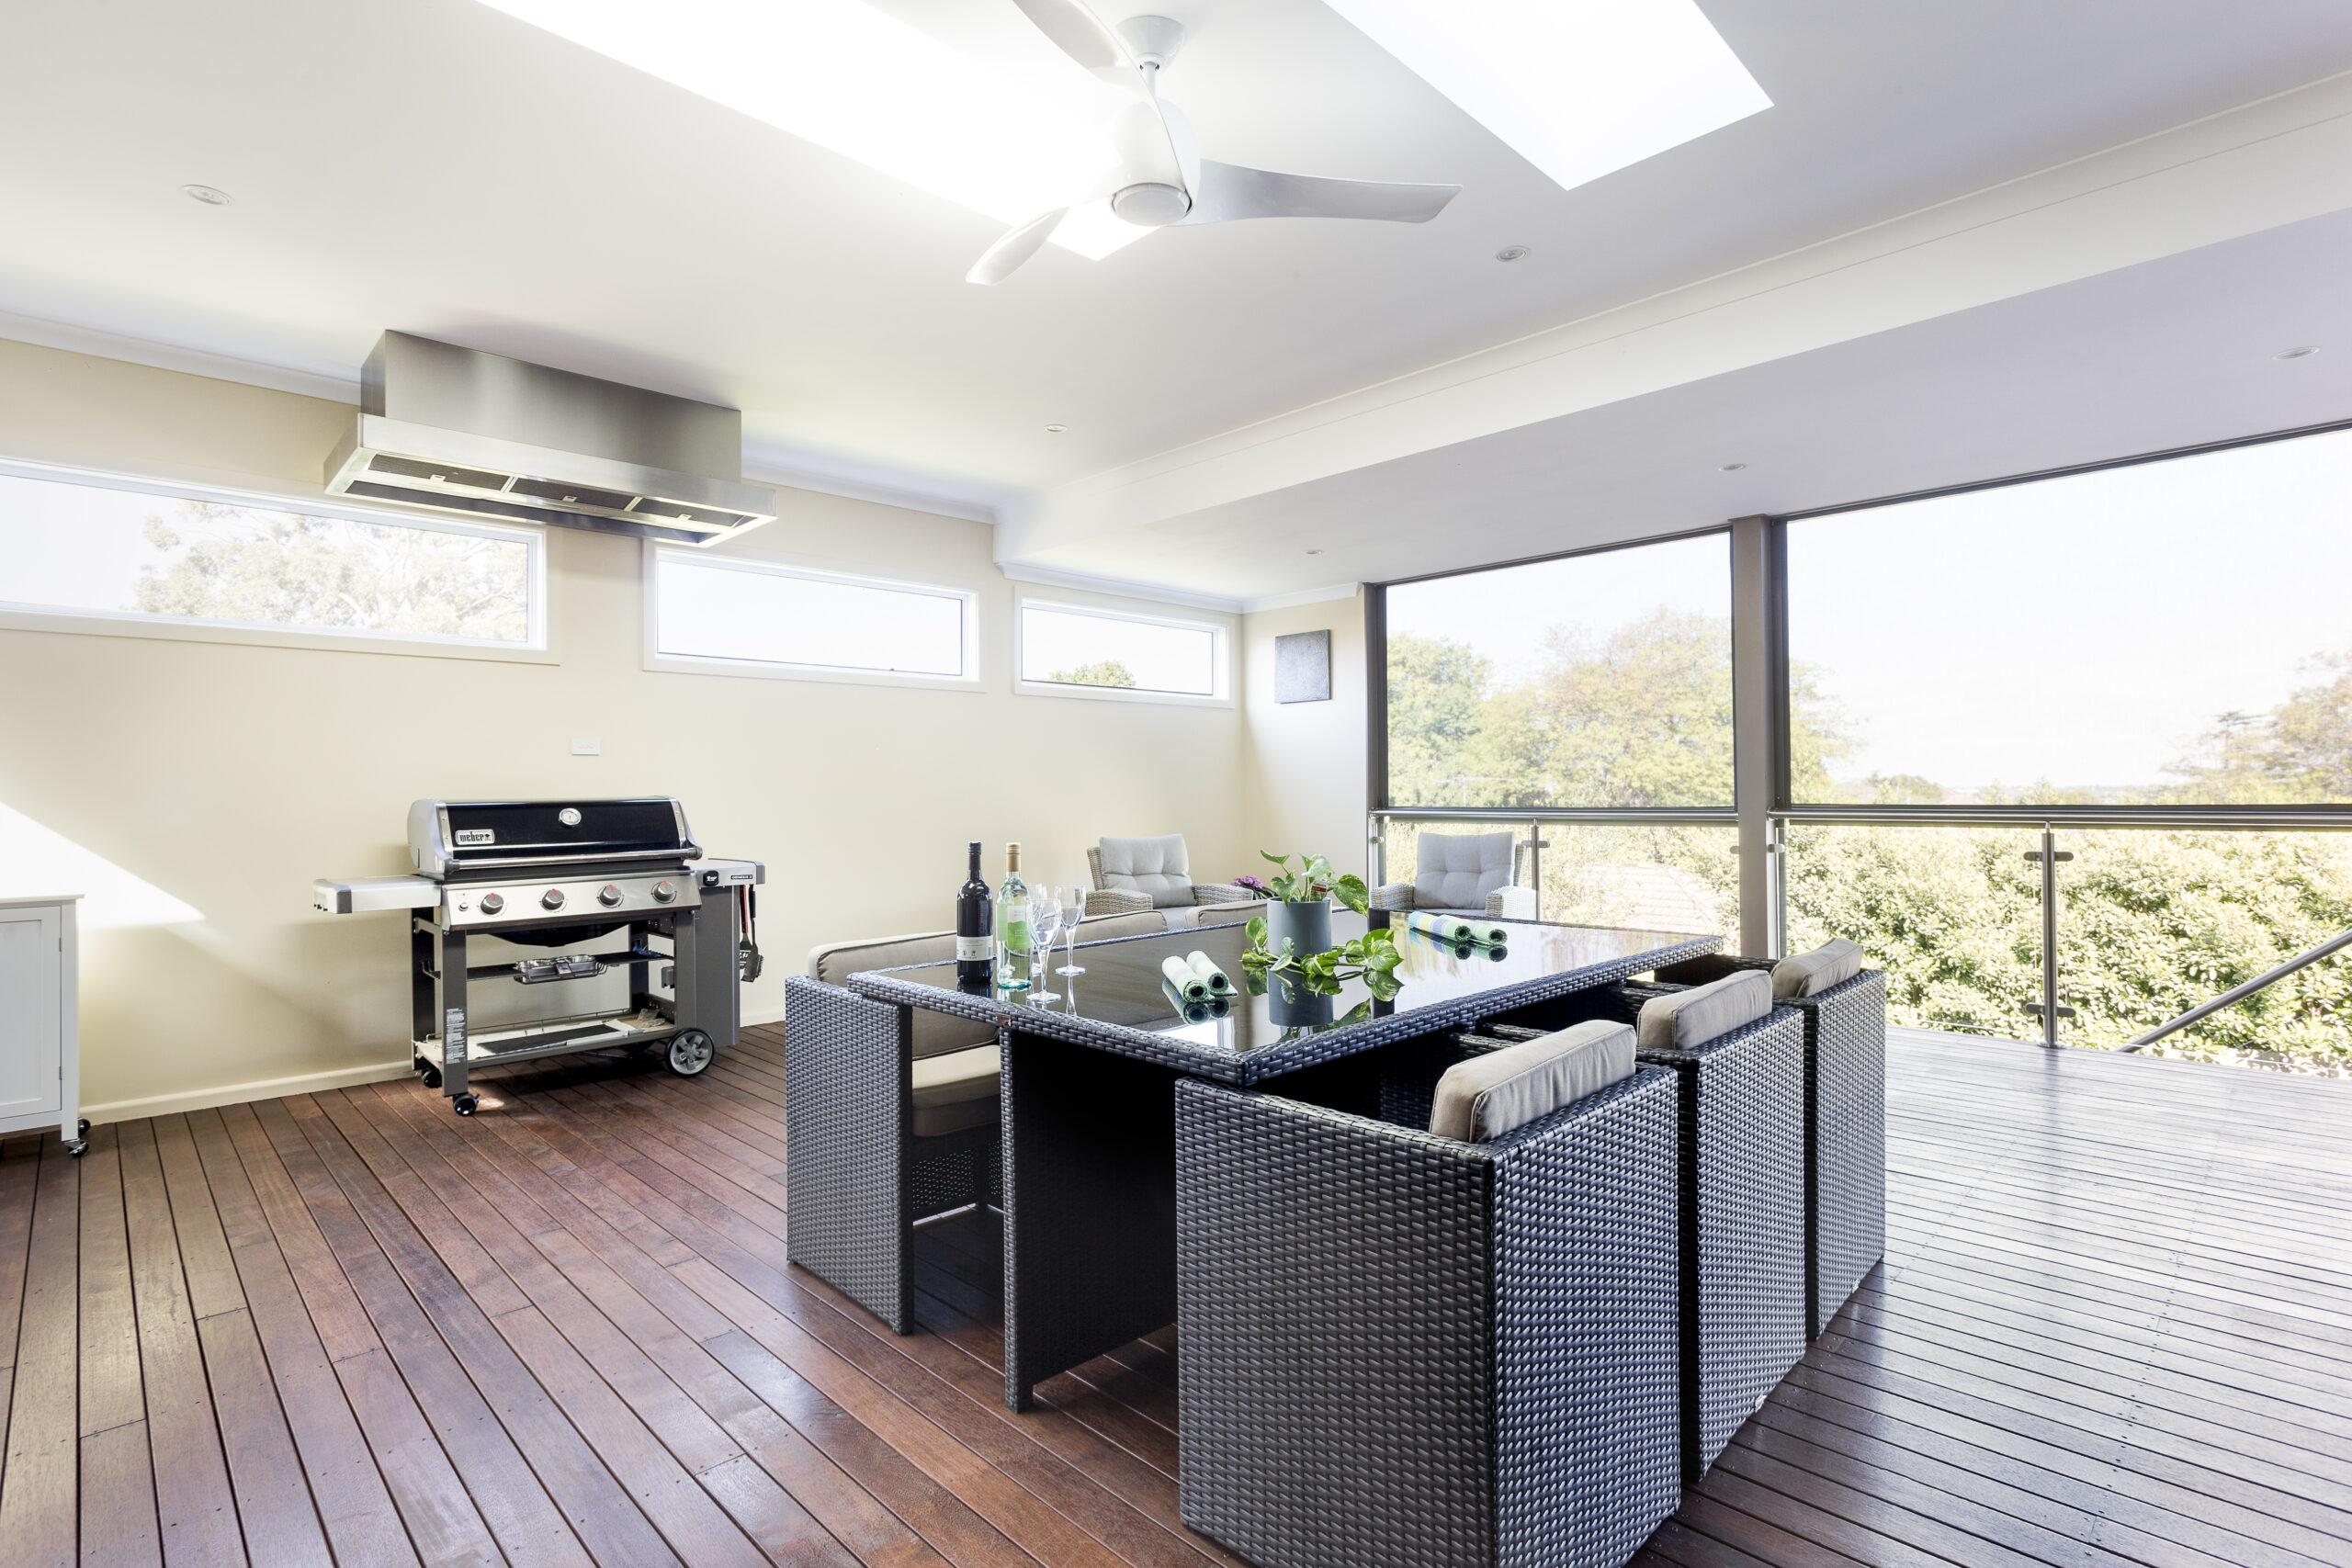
<point>2114,1331</point>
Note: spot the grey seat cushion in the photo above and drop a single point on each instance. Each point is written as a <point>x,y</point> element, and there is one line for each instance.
<point>1809,973</point>
<point>1488,1096</point>
<point>955,1091</point>
<point>1682,1020</point>
<point>1456,871</point>
<point>1158,866</point>
<point>1104,927</point>
<point>935,1033</point>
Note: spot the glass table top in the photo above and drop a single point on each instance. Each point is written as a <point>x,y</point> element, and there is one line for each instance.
<point>1124,986</point>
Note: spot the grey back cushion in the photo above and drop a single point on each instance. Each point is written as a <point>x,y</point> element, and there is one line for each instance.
<point>935,1033</point>
<point>1810,974</point>
<point>1686,1019</point>
<point>1456,871</point>
<point>1488,1096</point>
<point>1158,866</point>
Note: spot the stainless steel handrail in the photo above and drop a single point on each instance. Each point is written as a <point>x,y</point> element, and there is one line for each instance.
<point>2239,993</point>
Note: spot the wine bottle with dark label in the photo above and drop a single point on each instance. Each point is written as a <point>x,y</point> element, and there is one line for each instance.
<point>975,942</point>
<point>1012,941</point>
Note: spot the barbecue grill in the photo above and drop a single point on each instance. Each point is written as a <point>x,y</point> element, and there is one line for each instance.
<point>618,877</point>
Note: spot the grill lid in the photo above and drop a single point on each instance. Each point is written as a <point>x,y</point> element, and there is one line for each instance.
<point>448,838</point>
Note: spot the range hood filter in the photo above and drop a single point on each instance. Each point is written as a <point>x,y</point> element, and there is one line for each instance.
<point>479,435</point>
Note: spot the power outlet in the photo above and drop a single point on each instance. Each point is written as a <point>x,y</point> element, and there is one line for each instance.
<point>587,746</point>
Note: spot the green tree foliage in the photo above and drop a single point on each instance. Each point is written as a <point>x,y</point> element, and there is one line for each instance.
<point>232,563</point>
<point>2299,753</point>
<point>1102,673</point>
<point>2151,922</point>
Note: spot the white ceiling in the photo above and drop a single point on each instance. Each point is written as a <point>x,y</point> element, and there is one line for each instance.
<point>438,167</point>
<point>2169,353</point>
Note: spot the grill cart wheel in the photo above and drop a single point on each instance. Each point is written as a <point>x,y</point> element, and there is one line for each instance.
<point>690,1052</point>
<point>433,1078</point>
<point>465,1104</point>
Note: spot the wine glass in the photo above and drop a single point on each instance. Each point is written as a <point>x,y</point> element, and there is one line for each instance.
<point>1073,911</point>
<point>1044,919</point>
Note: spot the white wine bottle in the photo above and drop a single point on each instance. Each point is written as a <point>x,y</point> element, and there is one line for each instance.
<point>1013,942</point>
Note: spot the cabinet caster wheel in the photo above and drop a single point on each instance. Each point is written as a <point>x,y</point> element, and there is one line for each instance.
<point>465,1104</point>
<point>690,1052</point>
<point>433,1078</point>
<point>82,1125</point>
<point>77,1147</point>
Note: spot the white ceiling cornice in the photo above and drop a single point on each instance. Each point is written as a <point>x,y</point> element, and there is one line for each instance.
<point>2276,160</point>
<point>100,345</point>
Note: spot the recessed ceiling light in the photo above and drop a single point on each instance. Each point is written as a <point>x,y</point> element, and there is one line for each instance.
<point>1729,468</point>
<point>2303,352</point>
<point>207,194</point>
<point>848,76</point>
<point>1055,429</point>
<point>1511,253</point>
<point>1315,552</point>
<point>1578,91</point>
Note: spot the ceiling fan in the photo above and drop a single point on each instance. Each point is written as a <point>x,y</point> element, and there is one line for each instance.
<point>1162,180</point>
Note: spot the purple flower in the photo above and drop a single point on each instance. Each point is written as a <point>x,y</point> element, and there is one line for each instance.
<point>1252,882</point>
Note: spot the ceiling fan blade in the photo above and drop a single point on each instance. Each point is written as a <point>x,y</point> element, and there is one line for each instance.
<point>1078,32</point>
<point>1000,260</point>
<point>1228,192</point>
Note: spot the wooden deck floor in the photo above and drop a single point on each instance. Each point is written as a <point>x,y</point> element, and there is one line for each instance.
<point>353,1328</point>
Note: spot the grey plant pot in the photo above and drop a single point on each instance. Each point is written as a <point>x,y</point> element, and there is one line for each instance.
<point>1290,1005</point>
<point>1309,925</point>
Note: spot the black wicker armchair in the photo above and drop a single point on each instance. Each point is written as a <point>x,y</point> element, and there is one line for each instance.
<point>1741,1236</point>
<point>1845,1127</point>
<point>1406,1350</point>
<point>863,1162</point>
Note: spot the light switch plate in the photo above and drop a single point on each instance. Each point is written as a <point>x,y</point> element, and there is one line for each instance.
<point>586,746</point>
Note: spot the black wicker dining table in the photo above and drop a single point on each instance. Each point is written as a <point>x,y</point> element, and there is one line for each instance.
<point>1088,1093</point>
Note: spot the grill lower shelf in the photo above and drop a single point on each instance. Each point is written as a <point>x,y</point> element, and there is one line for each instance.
<point>554,1039</point>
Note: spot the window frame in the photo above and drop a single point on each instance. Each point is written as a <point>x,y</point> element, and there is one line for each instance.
<point>538,647</point>
<point>2319,815</point>
<point>1220,693</point>
<point>656,659</point>
<point>1376,780</point>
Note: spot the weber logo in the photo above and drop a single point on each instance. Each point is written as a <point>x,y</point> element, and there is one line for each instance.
<point>474,838</point>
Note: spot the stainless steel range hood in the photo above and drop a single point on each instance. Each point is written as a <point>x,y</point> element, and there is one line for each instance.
<point>481,435</point>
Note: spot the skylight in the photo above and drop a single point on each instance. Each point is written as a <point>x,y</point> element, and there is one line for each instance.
<point>848,77</point>
<point>1579,88</point>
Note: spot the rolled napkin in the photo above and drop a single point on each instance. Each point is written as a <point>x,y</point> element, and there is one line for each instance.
<point>1457,929</point>
<point>1189,985</point>
<point>1206,968</point>
<point>1192,1011</point>
<point>1467,949</point>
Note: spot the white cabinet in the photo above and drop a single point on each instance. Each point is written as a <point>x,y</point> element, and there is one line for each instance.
<point>41,1058</point>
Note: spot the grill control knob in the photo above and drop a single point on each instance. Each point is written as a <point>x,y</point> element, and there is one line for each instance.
<point>609,896</point>
<point>552,898</point>
<point>493,902</point>
<point>663,892</point>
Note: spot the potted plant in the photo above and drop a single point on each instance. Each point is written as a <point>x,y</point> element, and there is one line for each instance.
<point>1301,911</point>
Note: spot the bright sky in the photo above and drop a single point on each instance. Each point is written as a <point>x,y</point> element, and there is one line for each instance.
<point>2088,630</point>
<point>2085,629</point>
<point>75,546</point>
<point>1505,615</point>
<point>717,611</point>
<point>1160,658</point>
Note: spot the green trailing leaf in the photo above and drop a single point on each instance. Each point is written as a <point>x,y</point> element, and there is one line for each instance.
<point>1372,958</point>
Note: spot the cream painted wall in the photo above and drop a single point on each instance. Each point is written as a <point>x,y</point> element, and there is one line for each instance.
<point>1303,763</point>
<point>231,774</point>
